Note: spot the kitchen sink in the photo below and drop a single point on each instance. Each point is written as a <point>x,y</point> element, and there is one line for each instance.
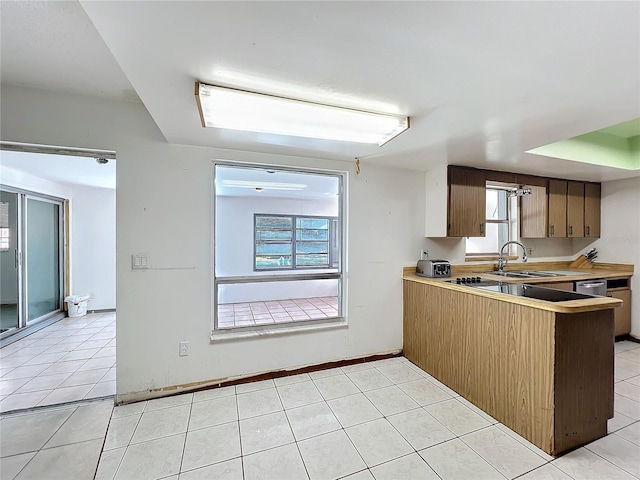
<point>526,274</point>
<point>511,274</point>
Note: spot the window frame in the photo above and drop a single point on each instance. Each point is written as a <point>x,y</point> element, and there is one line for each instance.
<point>5,232</point>
<point>336,270</point>
<point>294,241</point>
<point>508,221</point>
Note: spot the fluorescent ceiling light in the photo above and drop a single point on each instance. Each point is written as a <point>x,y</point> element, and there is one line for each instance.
<point>265,185</point>
<point>254,112</point>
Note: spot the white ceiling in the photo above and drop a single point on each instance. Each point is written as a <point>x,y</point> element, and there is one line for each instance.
<point>61,168</point>
<point>482,81</point>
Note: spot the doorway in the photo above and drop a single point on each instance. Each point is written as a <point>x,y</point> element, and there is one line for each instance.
<point>57,238</point>
<point>32,258</point>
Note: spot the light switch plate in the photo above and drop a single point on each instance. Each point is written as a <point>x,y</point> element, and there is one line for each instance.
<point>139,261</point>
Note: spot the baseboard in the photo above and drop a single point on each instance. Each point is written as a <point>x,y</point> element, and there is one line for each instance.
<point>627,337</point>
<point>171,391</point>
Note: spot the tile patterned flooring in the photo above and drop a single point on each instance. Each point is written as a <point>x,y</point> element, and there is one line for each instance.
<point>72,359</point>
<point>380,420</point>
<point>277,311</point>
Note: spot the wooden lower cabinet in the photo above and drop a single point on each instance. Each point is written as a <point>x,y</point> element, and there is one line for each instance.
<point>622,317</point>
<point>546,375</point>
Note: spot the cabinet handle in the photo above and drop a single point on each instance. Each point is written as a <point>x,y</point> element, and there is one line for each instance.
<point>553,230</point>
<point>588,230</point>
<point>570,229</point>
<point>482,228</point>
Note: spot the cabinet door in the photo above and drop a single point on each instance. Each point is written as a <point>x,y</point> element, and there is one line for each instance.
<point>622,315</point>
<point>575,209</point>
<point>592,210</point>
<point>467,203</point>
<point>557,208</point>
<point>533,213</point>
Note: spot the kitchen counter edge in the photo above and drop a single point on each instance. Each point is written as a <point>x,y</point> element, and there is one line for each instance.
<point>571,306</point>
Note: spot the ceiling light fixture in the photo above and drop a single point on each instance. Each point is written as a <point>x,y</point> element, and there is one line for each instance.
<point>263,185</point>
<point>222,107</point>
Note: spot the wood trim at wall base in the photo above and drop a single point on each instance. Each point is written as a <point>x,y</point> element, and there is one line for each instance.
<point>122,399</point>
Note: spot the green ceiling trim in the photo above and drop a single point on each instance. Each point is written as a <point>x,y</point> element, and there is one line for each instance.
<point>625,129</point>
<point>599,148</point>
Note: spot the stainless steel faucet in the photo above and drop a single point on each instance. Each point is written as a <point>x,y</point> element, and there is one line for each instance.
<point>503,261</point>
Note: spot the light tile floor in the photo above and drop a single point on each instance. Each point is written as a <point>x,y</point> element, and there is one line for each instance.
<point>378,420</point>
<point>277,311</point>
<point>72,359</point>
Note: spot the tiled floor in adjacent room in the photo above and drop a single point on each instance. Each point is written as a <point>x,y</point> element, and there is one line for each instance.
<point>276,311</point>
<point>379,420</point>
<point>72,359</point>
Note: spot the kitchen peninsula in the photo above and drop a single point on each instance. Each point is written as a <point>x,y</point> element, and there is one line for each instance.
<point>542,368</point>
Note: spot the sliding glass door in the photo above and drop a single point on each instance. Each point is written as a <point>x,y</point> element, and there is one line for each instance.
<point>31,251</point>
<point>42,257</point>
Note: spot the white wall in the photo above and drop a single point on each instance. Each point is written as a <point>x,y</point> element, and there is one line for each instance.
<point>92,231</point>
<point>93,245</point>
<point>160,183</point>
<point>31,182</point>
<point>234,247</point>
<point>620,234</point>
<point>234,217</point>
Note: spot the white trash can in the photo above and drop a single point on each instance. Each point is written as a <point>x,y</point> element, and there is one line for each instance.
<point>77,305</point>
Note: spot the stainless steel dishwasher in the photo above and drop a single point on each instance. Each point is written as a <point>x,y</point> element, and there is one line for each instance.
<point>592,287</point>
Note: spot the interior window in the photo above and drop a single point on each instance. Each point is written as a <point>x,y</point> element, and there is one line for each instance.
<point>275,248</point>
<point>278,247</point>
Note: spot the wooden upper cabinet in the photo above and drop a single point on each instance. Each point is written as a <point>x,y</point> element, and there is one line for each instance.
<point>575,209</point>
<point>467,203</point>
<point>592,210</point>
<point>533,213</point>
<point>557,226</point>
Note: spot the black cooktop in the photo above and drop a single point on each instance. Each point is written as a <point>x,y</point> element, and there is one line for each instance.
<point>531,291</point>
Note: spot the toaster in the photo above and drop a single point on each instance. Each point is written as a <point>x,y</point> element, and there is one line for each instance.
<point>433,268</point>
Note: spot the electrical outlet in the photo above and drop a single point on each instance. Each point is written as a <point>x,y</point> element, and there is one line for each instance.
<point>92,296</point>
<point>424,254</point>
<point>184,349</point>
